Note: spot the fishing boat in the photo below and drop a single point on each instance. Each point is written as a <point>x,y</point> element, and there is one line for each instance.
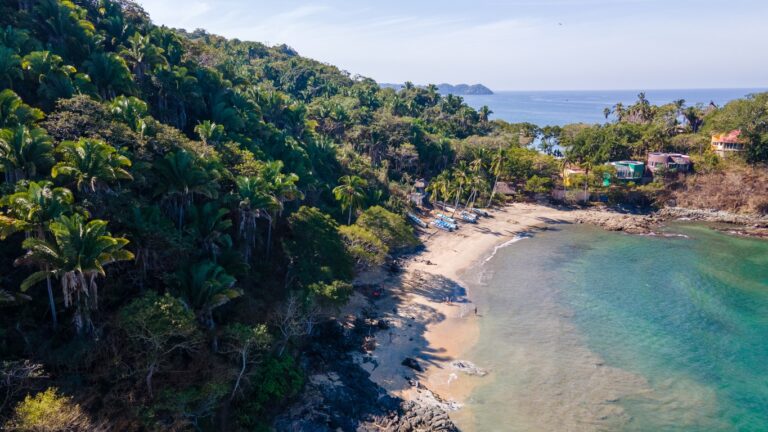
<point>468,217</point>
<point>448,219</point>
<point>481,212</point>
<point>417,220</point>
<point>443,225</point>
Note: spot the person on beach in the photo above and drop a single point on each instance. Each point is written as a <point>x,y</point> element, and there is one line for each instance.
<point>475,310</point>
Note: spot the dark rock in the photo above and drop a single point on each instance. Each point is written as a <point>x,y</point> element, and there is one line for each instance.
<point>413,364</point>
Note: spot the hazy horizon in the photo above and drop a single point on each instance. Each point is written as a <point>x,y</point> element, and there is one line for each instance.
<point>518,45</point>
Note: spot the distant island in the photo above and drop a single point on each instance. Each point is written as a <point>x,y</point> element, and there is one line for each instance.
<point>445,88</point>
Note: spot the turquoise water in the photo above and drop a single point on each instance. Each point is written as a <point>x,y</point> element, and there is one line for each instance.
<point>589,330</point>
<point>563,107</point>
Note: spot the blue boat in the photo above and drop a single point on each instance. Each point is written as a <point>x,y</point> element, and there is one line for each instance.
<point>443,225</point>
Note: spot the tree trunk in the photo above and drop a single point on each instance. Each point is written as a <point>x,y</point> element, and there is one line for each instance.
<point>349,219</point>
<point>148,379</point>
<point>51,301</point>
<point>493,191</point>
<point>243,364</point>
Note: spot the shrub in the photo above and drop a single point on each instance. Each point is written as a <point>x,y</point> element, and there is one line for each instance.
<point>158,326</point>
<point>316,249</point>
<point>390,228</point>
<point>48,411</point>
<point>277,380</point>
<point>363,246</point>
<point>538,184</point>
<point>336,292</point>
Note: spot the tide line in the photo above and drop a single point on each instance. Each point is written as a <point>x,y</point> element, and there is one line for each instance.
<point>513,240</point>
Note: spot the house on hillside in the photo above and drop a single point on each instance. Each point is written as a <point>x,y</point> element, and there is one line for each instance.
<point>627,171</point>
<point>669,162</point>
<point>418,195</point>
<point>728,144</point>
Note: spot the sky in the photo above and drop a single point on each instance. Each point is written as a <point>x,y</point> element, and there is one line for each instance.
<point>506,45</point>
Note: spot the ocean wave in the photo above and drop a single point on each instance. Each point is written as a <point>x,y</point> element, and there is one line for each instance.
<point>513,240</point>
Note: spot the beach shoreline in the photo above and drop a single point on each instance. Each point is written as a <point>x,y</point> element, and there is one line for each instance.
<point>409,328</point>
<point>429,309</point>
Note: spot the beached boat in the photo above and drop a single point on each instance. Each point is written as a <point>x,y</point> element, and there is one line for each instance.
<point>417,220</point>
<point>468,217</point>
<point>481,212</point>
<point>443,225</point>
<point>448,219</point>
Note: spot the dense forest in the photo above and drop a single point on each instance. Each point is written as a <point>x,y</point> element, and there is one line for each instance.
<point>179,210</point>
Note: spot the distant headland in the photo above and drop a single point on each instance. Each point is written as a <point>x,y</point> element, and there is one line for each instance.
<point>445,88</point>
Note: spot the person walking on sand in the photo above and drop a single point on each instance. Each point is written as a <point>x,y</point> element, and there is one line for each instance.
<point>475,310</point>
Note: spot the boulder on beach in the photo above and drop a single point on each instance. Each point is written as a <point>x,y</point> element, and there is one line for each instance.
<point>412,363</point>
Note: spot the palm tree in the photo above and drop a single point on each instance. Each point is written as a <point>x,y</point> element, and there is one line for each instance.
<point>131,111</point>
<point>255,202</point>
<point>109,74</point>
<point>350,193</point>
<point>440,186</point>
<point>497,167</point>
<point>693,116</point>
<point>209,132</point>
<point>91,164</point>
<point>208,224</point>
<point>77,256</point>
<point>205,286</point>
<point>10,67</point>
<point>143,55</point>
<point>23,151</point>
<point>54,78</point>
<point>180,178</point>
<point>460,179</point>
<point>14,112</point>
<point>485,113</point>
<point>31,208</point>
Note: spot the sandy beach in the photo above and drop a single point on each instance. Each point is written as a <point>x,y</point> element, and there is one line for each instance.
<point>431,314</point>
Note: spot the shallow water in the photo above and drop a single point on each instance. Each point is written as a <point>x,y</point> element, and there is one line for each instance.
<point>589,330</point>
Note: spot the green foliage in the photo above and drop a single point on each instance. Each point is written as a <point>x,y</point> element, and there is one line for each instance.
<point>336,292</point>
<point>537,184</point>
<point>350,193</point>
<point>275,381</point>
<point>48,411</point>
<point>77,255</point>
<point>315,249</point>
<point>390,228</point>
<point>155,322</point>
<point>207,152</point>
<point>204,286</point>
<point>91,164</point>
<point>364,246</point>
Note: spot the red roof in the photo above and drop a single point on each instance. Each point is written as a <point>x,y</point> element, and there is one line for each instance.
<point>732,137</point>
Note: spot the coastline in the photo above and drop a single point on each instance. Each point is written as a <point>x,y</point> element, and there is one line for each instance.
<point>424,326</point>
<point>399,355</point>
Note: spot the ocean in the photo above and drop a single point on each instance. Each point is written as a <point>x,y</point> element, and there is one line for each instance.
<point>584,329</point>
<point>558,108</point>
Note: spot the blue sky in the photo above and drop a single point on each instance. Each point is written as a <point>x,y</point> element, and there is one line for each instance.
<point>507,45</point>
